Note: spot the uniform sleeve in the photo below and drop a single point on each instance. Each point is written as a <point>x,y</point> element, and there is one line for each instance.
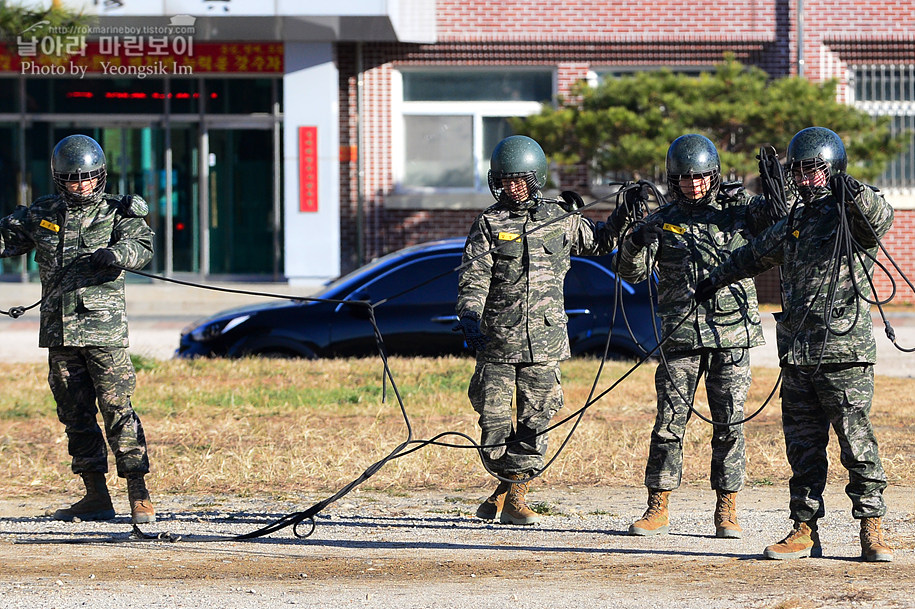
<point>761,214</point>
<point>476,271</point>
<point>632,262</point>
<point>14,236</point>
<point>592,238</point>
<point>871,217</point>
<point>759,255</point>
<point>132,241</point>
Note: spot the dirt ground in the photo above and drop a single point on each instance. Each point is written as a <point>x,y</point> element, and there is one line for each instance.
<point>424,549</point>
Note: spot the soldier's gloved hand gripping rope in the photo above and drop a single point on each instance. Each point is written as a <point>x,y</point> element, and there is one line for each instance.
<point>469,324</point>
<point>772,179</point>
<point>844,187</point>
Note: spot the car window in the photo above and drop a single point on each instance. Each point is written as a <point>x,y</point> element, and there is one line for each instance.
<point>590,277</point>
<point>430,279</point>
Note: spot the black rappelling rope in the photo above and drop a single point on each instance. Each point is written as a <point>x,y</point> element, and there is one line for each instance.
<point>404,448</point>
<point>295,519</point>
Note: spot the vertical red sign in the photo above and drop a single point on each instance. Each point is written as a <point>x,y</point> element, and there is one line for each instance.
<point>308,169</point>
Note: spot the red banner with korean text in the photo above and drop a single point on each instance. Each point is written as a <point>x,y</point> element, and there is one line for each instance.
<point>308,169</point>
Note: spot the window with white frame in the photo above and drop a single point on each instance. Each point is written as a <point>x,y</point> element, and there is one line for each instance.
<point>452,119</point>
<point>889,90</point>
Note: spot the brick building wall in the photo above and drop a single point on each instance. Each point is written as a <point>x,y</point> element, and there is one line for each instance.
<point>572,38</point>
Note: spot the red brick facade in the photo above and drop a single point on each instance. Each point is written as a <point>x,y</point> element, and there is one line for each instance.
<point>575,36</point>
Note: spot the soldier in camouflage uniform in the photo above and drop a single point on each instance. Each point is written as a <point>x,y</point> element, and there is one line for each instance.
<point>510,305</point>
<point>683,240</point>
<point>825,336</point>
<point>78,236</point>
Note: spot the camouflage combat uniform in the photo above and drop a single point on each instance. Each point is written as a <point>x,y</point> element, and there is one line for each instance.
<point>714,340</point>
<point>828,376</point>
<point>517,291</point>
<point>84,319</point>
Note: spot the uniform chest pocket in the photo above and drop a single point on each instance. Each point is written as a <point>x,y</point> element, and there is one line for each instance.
<point>509,248</point>
<point>673,240</point>
<point>47,239</point>
<point>556,244</point>
<point>810,247</point>
<point>675,257</point>
<point>508,262</point>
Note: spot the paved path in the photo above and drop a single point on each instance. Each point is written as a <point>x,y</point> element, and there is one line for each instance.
<point>383,550</point>
<point>158,312</point>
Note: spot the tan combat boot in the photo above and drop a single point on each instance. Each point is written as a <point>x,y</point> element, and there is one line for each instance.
<point>141,507</point>
<point>492,507</point>
<point>726,516</point>
<point>96,505</point>
<point>656,520</point>
<point>515,510</point>
<point>801,542</point>
<point>873,547</point>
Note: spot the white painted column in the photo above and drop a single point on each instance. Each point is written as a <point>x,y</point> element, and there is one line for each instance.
<point>310,89</point>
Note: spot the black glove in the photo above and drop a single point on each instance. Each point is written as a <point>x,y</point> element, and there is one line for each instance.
<point>768,162</point>
<point>634,196</point>
<point>102,258</point>
<point>628,208</point>
<point>772,180</point>
<point>705,289</point>
<point>573,200</point>
<point>647,234</point>
<point>469,324</point>
<point>844,187</point>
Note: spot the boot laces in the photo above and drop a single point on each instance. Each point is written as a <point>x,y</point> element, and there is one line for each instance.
<point>655,505</point>
<point>796,533</point>
<point>872,531</point>
<point>727,509</point>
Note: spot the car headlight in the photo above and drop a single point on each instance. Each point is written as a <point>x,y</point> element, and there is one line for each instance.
<point>210,331</point>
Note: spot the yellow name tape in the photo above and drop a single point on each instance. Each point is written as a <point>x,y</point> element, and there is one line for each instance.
<point>674,228</point>
<point>508,236</point>
<point>49,226</point>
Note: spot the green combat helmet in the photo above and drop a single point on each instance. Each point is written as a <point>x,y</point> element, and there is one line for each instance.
<point>692,156</point>
<point>517,156</point>
<point>78,158</point>
<point>810,150</point>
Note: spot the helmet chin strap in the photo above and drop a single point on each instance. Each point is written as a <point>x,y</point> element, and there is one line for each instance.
<point>521,205</point>
<point>77,199</point>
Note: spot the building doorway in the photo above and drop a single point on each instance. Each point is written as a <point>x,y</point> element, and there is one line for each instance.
<point>210,192</point>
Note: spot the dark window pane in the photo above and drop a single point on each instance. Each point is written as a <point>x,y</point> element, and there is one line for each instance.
<point>240,95</point>
<point>9,95</point>
<point>110,95</point>
<point>478,86</point>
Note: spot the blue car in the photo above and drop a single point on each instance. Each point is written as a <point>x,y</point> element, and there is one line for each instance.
<point>418,285</point>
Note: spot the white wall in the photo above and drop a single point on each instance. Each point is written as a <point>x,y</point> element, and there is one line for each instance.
<point>312,239</point>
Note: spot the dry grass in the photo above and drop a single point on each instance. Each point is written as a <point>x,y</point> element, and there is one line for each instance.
<point>256,427</point>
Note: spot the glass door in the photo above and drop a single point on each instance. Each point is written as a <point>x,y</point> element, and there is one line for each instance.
<point>136,156</point>
<point>240,189</point>
<point>11,172</point>
<point>213,211</point>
